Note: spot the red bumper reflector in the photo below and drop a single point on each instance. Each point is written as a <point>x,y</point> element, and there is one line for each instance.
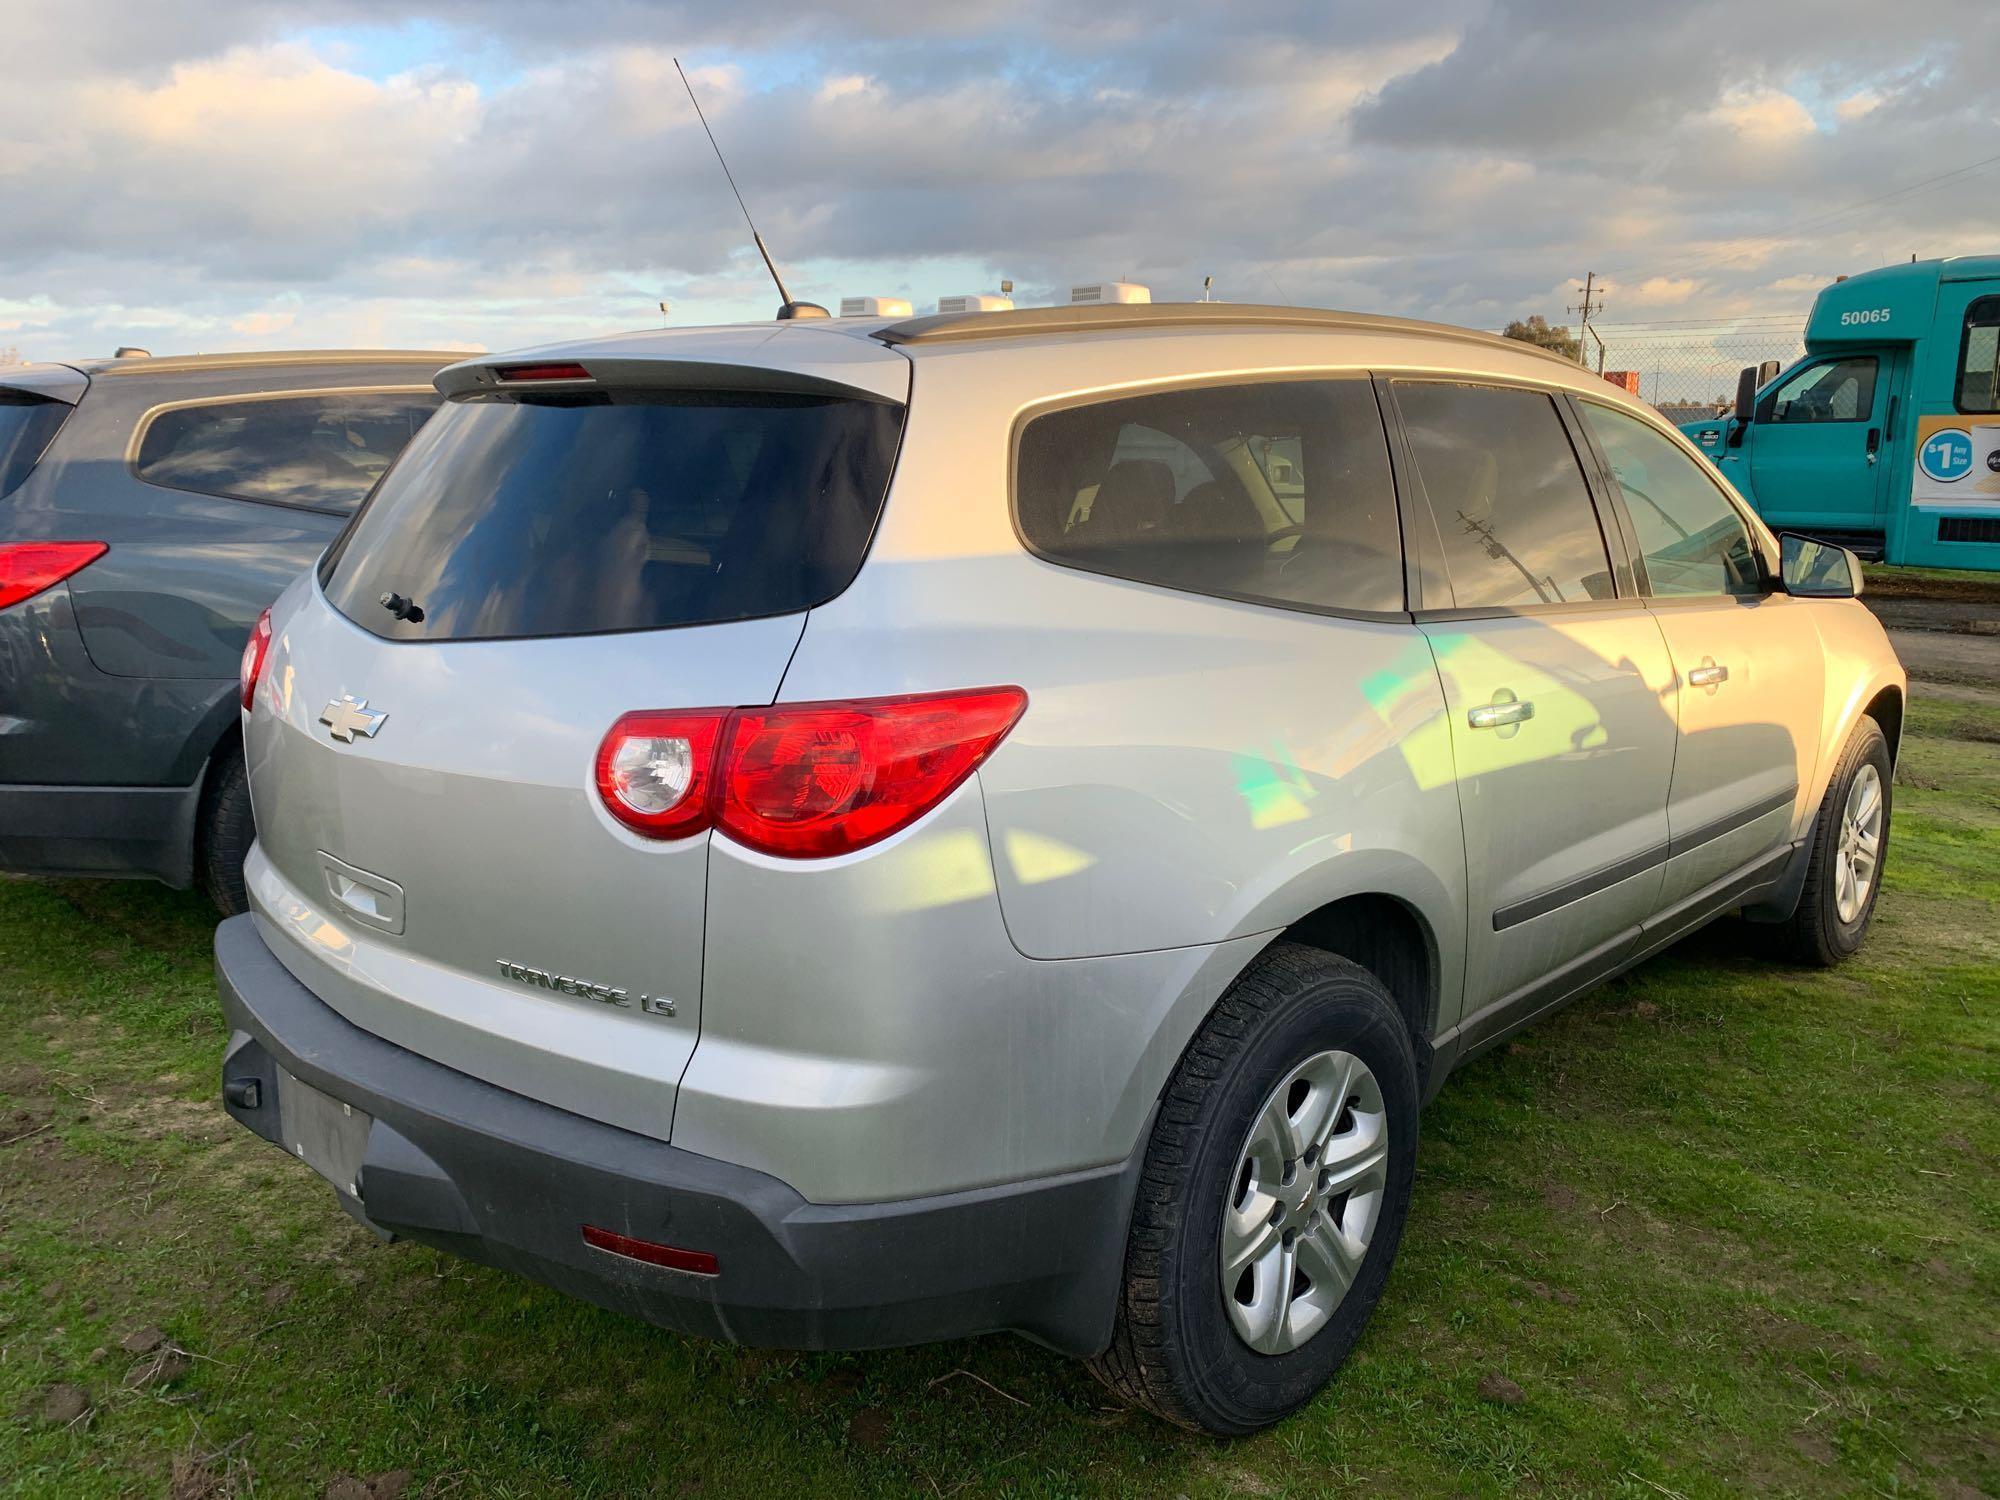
<point>700,1262</point>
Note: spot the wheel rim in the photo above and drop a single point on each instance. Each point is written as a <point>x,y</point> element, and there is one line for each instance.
<point>1859,853</point>
<point>1303,1202</point>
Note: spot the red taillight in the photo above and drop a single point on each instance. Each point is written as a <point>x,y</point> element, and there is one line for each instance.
<point>654,771</point>
<point>801,780</point>
<point>26,568</point>
<point>254,651</point>
<point>673,1257</point>
<point>815,779</point>
<point>512,373</point>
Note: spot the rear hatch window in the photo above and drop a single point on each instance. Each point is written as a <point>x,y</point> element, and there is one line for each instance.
<point>28,424</point>
<point>577,513</point>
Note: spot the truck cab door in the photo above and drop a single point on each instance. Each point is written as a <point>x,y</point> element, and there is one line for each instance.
<point>1815,446</point>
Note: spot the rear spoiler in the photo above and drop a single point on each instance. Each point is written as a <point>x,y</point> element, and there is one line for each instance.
<point>886,382</point>
<point>54,382</point>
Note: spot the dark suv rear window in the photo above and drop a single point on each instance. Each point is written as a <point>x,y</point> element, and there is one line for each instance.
<point>28,424</point>
<point>546,515</point>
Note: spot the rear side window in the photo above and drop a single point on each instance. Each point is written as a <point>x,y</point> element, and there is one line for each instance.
<point>1277,493</point>
<point>1692,538</point>
<point>322,449</point>
<point>1979,358</point>
<point>28,424</point>
<point>1509,497</point>
<point>549,515</point>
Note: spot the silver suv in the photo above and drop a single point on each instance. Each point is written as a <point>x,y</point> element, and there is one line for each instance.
<point>848,833</point>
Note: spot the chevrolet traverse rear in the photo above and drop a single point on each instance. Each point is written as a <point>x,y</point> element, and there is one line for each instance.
<point>860,832</point>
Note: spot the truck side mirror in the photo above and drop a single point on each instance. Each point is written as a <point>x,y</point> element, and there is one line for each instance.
<point>1812,569</point>
<point>1746,393</point>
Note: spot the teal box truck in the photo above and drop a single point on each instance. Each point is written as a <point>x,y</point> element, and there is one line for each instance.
<point>1885,437</point>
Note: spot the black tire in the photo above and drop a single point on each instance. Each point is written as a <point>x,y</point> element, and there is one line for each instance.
<point>1815,934</point>
<point>1173,1349</point>
<point>223,832</point>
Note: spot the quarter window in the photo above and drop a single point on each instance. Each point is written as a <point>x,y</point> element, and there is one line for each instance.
<point>1277,492</point>
<point>1979,358</point>
<point>1693,540</point>
<point>1841,390</point>
<point>1509,498</point>
<point>324,450</point>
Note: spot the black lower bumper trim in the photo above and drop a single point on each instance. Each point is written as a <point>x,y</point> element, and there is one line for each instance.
<point>138,831</point>
<point>457,1163</point>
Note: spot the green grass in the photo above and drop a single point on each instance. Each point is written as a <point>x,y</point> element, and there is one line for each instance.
<point>1731,1226</point>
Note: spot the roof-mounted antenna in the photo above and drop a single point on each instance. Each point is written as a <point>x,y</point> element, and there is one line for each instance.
<point>788,308</point>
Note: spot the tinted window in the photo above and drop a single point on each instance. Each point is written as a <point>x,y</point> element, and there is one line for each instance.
<point>324,450</point>
<point>1979,357</point>
<point>1693,540</point>
<point>28,423</point>
<point>1842,390</point>
<point>1278,493</point>
<point>562,515</point>
<point>1509,498</point>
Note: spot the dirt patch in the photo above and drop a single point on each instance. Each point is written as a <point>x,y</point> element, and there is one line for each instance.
<point>1879,583</point>
<point>1935,656</point>
<point>160,1119</point>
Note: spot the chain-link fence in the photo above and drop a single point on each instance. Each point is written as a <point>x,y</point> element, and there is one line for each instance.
<point>1690,372</point>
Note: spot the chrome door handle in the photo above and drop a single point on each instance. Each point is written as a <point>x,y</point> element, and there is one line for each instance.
<point>1708,674</point>
<point>1499,713</point>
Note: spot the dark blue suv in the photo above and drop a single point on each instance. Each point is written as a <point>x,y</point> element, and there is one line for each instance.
<point>149,510</point>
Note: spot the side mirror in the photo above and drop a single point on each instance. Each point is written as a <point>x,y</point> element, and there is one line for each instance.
<point>1746,393</point>
<point>1812,569</point>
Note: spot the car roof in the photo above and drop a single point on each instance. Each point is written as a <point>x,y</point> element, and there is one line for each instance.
<point>864,354</point>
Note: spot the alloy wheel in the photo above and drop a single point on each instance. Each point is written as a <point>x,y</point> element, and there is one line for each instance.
<point>1859,853</point>
<point>1304,1201</point>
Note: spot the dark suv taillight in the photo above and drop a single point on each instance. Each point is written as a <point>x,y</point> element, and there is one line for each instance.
<point>26,568</point>
<point>801,780</point>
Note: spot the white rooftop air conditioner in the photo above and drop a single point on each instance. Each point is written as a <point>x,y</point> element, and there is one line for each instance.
<point>874,307</point>
<point>975,302</point>
<point>1110,291</point>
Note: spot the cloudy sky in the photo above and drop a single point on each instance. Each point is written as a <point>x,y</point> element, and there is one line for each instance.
<point>467,173</point>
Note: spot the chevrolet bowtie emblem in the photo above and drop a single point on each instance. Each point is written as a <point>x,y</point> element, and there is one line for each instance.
<point>348,716</point>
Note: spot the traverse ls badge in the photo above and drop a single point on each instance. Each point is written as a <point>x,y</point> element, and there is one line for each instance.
<point>569,984</point>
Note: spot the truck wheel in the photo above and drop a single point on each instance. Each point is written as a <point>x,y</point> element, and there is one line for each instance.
<point>1850,843</point>
<point>1276,1184</point>
<point>223,832</point>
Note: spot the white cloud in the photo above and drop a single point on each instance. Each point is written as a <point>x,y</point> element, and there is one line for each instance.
<point>1859,105</point>
<point>204,172</point>
<point>1764,117</point>
<point>263,325</point>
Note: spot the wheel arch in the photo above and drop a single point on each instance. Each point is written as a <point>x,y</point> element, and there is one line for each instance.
<point>1886,709</point>
<point>1389,937</point>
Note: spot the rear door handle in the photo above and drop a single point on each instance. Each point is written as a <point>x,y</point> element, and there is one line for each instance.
<point>1708,674</point>
<point>1500,712</point>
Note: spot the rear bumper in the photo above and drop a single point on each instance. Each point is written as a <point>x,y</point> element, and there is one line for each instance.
<point>100,830</point>
<point>457,1163</point>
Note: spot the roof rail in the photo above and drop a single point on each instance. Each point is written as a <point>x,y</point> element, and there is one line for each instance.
<point>157,363</point>
<point>947,328</point>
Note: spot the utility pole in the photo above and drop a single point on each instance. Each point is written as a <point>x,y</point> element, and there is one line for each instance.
<point>1588,308</point>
